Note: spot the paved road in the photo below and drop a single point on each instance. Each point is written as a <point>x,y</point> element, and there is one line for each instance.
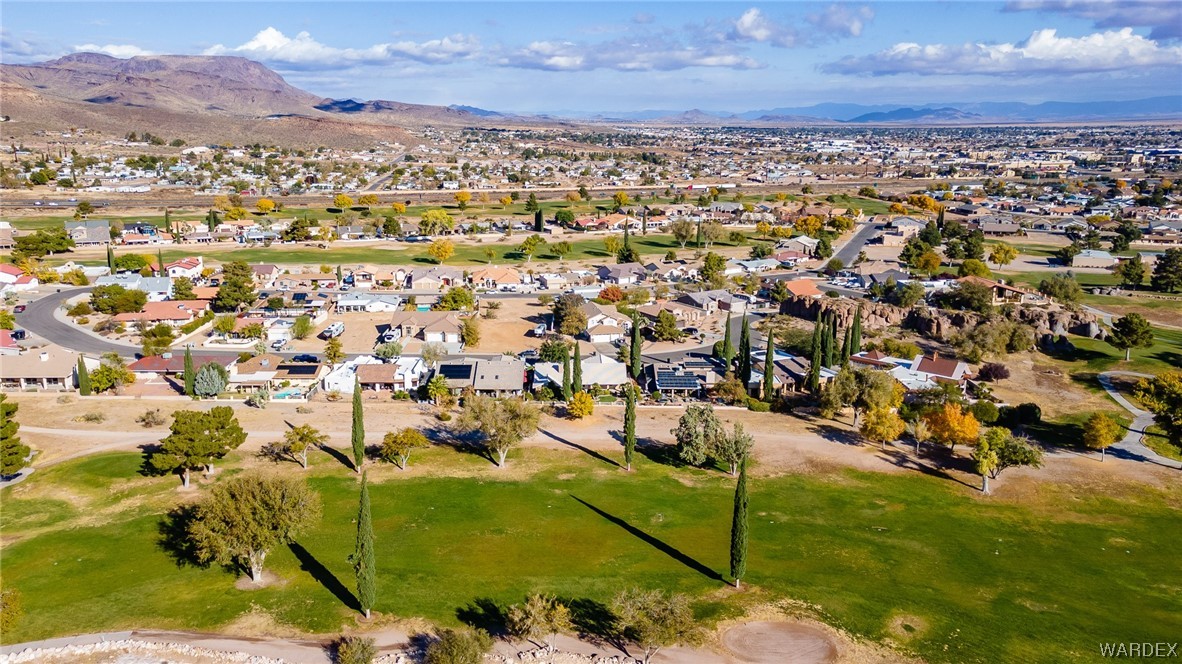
<point>38,319</point>
<point>1131,446</point>
<point>850,250</point>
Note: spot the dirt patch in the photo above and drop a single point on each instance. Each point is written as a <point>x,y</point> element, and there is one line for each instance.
<point>269,580</point>
<point>775,642</point>
<point>258,623</point>
<point>904,627</point>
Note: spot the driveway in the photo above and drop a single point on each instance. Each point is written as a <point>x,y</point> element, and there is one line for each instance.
<point>850,250</point>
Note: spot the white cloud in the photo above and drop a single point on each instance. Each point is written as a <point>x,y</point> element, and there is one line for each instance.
<point>842,20</point>
<point>113,50</point>
<point>622,55</point>
<point>303,51</point>
<point>754,26</point>
<point>1164,17</point>
<point>837,21</point>
<point>1044,52</point>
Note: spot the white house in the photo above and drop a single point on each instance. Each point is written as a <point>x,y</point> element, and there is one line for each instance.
<point>158,289</point>
<point>369,302</point>
<point>189,267</point>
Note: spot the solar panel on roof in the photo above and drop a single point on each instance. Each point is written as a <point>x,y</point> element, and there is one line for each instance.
<point>301,369</point>
<point>456,371</point>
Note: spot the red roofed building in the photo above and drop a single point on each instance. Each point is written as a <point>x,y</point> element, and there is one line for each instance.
<point>169,312</point>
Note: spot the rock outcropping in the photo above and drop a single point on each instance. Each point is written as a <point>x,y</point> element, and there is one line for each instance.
<point>936,323</point>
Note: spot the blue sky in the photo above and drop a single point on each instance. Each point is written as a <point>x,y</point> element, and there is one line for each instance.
<point>548,56</point>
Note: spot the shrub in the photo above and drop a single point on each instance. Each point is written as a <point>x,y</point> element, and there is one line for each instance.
<point>83,321</point>
<point>304,410</point>
<point>192,325</point>
<point>65,398</point>
<point>81,309</point>
<point>985,412</point>
<point>758,406</point>
<point>354,650</point>
<point>581,405</point>
<point>93,417</point>
<point>1023,414</point>
<point>459,647</point>
<point>153,417</point>
<point>993,372</point>
<point>401,395</point>
<point>443,416</point>
<point>10,609</point>
<point>258,399</point>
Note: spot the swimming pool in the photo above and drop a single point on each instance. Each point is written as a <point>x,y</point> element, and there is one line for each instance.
<point>290,393</point>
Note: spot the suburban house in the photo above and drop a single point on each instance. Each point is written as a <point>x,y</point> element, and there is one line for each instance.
<point>604,324</point>
<point>49,369</point>
<point>173,313</point>
<point>1093,258</point>
<point>89,232</point>
<point>368,302</point>
<point>265,274</point>
<point>753,265</point>
<point>190,266</point>
<point>316,280</point>
<point>173,364</point>
<point>1004,293</point>
<point>273,373</point>
<point>8,345</point>
<point>802,243</point>
<point>367,276</point>
<point>689,378</point>
<point>714,301</point>
<point>598,369</point>
<point>430,326</point>
<point>434,277</point>
<point>671,271</point>
<point>926,372</point>
<point>401,374</point>
<point>802,287</point>
<point>793,371</point>
<point>495,277</point>
<point>901,229</point>
<point>12,278</point>
<point>686,315</point>
<point>157,288</point>
<point>91,271</point>
<point>624,274</point>
<point>504,376</point>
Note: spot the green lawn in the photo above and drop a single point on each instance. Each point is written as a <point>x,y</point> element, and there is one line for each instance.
<point>416,254</point>
<point>983,580</point>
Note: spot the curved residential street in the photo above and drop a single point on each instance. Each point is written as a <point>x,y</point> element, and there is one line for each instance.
<point>1132,446</point>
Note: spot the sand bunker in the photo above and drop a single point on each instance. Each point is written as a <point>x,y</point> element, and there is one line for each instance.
<point>780,643</point>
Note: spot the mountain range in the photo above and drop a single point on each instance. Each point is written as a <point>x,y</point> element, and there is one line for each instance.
<point>226,98</point>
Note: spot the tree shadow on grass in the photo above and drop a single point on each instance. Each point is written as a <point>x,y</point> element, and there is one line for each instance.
<point>323,576</point>
<point>468,442</point>
<point>339,456</point>
<point>654,542</point>
<point>837,435</point>
<point>904,460</point>
<point>595,622</point>
<point>659,452</point>
<point>173,532</point>
<point>585,450</point>
<point>484,613</point>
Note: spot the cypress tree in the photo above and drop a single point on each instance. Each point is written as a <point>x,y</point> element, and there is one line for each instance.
<point>629,425</point>
<point>110,259</point>
<point>728,351</point>
<point>940,218</point>
<point>577,378</point>
<point>567,393</point>
<point>168,224</point>
<point>814,381</point>
<point>745,353</point>
<point>83,378</point>
<point>538,221</point>
<point>699,238</point>
<point>856,334</point>
<point>340,276</point>
<point>363,554</point>
<point>769,369</point>
<point>826,346</point>
<point>644,221</point>
<point>739,527</point>
<point>358,428</point>
<point>159,262</point>
<point>634,356</point>
<point>190,374</point>
<point>816,342</point>
<point>845,347</point>
<point>211,220</point>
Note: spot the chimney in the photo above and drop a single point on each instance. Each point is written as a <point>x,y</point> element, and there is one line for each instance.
<point>44,356</point>
<point>167,356</point>
<point>266,362</point>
